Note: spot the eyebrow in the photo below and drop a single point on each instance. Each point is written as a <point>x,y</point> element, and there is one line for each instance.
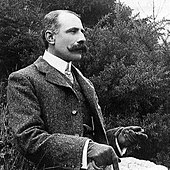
<point>75,28</point>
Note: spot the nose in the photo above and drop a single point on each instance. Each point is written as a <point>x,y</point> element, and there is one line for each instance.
<point>82,38</point>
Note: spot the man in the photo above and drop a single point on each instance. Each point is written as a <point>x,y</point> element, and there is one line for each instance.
<point>54,109</point>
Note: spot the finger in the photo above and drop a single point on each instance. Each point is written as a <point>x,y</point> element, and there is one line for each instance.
<point>119,131</point>
<point>132,134</point>
<point>141,135</point>
<point>129,142</point>
<point>95,166</point>
<point>130,138</point>
<point>135,128</point>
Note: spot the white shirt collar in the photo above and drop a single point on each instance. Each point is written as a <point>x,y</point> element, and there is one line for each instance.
<point>56,62</point>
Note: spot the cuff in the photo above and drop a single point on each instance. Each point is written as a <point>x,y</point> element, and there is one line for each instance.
<point>121,151</point>
<point>84,157</point>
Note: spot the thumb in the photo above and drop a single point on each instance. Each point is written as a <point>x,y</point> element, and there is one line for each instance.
<point>119,131</point>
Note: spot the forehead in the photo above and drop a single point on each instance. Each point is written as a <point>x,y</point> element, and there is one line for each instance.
<point>69,20</point>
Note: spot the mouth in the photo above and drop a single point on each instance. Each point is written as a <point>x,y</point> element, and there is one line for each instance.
<point>77,48</point>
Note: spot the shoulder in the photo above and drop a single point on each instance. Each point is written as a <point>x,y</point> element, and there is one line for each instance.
<point>23,77</point>
<point>28,72</point>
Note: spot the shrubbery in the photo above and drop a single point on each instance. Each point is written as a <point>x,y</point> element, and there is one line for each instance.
<point>125,61</point>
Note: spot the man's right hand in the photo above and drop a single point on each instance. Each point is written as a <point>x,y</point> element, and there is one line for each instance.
<point>103,155</point>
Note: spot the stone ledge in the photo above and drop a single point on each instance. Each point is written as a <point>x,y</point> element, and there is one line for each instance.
<point>130,163</point>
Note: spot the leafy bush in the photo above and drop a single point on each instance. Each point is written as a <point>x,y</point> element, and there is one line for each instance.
<point>157,127</point>
<point>125,61</point>
<point>19,38</point>
<point>127,65</point>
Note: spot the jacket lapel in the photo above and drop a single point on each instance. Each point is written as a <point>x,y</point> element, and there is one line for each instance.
<point>52,75</point>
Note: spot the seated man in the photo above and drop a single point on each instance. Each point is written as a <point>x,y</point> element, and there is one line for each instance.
<point>54,110</point>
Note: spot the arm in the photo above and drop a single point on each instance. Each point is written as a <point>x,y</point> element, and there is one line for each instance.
<point>125,137</point>
<point>31,136</point>
<point>113,140</point>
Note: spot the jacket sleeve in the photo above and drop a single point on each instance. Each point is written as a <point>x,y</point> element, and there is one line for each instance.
<point>113,141</point>
<point>31,137</point>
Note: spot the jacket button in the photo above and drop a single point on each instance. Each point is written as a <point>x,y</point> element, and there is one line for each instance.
<point>77,135</point>
<point>74,112</point>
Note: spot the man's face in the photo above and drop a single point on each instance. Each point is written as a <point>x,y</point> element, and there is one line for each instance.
<point>70,34</point>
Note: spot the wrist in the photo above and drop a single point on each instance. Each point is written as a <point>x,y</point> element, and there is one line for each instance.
<point>120,143</point>
<point>121,149</point>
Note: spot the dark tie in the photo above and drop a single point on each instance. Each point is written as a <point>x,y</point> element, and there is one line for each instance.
<point>68,72</point>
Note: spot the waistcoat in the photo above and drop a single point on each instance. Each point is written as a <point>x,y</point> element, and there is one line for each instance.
<point>85,110</point>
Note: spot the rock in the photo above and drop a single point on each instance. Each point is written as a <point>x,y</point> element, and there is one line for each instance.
<point>130,163</point>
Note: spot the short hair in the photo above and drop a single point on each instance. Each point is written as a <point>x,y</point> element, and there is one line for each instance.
<point>50,22</point>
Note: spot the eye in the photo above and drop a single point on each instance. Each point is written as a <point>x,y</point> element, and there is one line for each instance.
<point>72,30</point>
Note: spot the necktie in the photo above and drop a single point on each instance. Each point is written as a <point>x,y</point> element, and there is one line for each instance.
<point>68,72</point>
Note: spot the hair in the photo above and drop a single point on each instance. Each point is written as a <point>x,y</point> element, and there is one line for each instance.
<point>50,22</point>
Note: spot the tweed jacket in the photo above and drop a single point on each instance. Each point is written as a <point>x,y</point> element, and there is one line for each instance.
<point>45,117</point>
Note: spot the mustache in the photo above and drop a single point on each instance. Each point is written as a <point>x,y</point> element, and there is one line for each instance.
<point>78,47</point>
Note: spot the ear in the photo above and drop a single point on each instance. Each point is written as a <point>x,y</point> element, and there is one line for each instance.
<point>49,35</point>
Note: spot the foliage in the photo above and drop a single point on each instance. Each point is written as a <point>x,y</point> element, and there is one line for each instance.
<point>129,69</point>
<point>21,25</point>
<point>90,10</point>
<point>127,90</point>
<point>126,62</point>
<point>157,127</point>
<point>19,38</point>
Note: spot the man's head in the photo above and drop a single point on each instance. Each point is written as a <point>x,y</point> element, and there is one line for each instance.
<point>63,35</point>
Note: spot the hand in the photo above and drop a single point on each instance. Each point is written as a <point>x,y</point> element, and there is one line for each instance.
<point>102,155</point>
<point>130,135</point>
